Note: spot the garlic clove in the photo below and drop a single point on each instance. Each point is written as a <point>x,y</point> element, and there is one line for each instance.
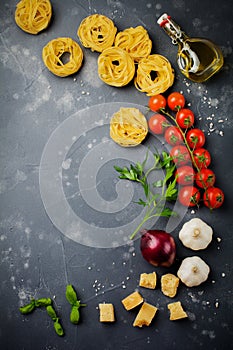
<point>196,234</point>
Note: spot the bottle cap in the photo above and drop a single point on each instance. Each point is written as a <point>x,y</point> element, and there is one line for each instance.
<point>163,20</point>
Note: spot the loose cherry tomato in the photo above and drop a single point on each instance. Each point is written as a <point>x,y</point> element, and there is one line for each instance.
<point>185,118</point>
<point>189,196</point>
<point>158,123</point>
<point>213,197</point>
<point>195,138</point>
<point>205,178</point>
<point>180,155</point>
<point>202,158</point>
<point>175,101</point>
<point>185,175</point>
<point>157,102</point>
<point>173,136</point>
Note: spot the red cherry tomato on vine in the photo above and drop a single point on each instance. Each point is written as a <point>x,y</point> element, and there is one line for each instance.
<point>175,101</point>
<point>189,196</point>
<point>157,102</point>
<point>158,123</point>
<point>185,175</point>
<point>195,138</point>
<point>180,155</point>
<point>213,197</point>
<point>205,178</point>
<point>202,158</point>
<point>185,118</point>
<point>173,136</point>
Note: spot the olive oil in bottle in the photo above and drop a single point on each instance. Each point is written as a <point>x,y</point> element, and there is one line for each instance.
<point>197,58</point>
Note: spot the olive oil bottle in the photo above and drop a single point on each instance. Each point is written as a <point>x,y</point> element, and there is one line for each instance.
<point>197,58</point>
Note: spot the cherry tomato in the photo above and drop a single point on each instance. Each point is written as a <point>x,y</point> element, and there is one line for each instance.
<point>189,196</point>
<point>175,101</point>
<point>157,102</point>
<point>185,118</point>
<point>180,155</point>
<point>185,175</point>
<point>195,138</point>
<point>158,123</point>
<point>213,197</point>
<point>173,136</point>
<point>205,178</point>
<point>202,158</point>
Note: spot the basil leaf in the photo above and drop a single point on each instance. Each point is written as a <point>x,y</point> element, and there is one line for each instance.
<point>27,309</point>
<point>58,328</point>
<point>51,312</point>
<point>43,302</point>
<point>74,315</point>
<point>71,294</point>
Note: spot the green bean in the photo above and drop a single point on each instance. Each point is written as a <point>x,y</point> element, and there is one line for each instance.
<point>27,309</point>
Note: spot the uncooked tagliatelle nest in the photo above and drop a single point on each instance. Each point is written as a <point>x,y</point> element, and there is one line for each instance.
<point>128,127</point>
<point>53,54</point>
<point>160,67</point>
<point>97,32</point>
<point>115,67</point>
<point>135,41</point>
<point>33,16</point>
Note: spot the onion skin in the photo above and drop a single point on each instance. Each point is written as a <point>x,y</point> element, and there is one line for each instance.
<point>158,247</point>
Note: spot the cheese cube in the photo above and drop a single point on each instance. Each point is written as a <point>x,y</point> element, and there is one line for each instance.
<point>176,311</point>
<point>145,315</point>
<point>148,280</point>
<point>132,300</point>
<point>106,313</point>
<point>169,284</point>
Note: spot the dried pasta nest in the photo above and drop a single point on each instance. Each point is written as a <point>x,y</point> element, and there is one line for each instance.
<point>135,41</point>
<point>33,16</point>
<point>55,52</point>
<point>97,32</point>
<point>115,67</point>
<point>128,127</point>
<point>154,75</point>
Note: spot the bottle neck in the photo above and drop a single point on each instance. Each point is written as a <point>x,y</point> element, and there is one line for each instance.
<point>172,29</point>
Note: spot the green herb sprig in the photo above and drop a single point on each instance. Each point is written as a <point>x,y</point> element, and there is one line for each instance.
<point>43,302</point>
<point>71,297</point>
<point>28,308</point>
<point>56,322</point>
<point>154,202</point>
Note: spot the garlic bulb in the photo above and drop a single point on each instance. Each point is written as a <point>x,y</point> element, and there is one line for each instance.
<point>193,271</point>
<point>196,234</point>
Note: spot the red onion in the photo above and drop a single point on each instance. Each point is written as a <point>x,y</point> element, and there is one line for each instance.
<point>158,247</point>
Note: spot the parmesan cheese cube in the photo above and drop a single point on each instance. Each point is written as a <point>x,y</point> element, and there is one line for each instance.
<point>106,313</point>
<point>169,284</point>
<point>132,300</point>
<point>148,280</point>
<point>176,311</point>
<point>145,315</point>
